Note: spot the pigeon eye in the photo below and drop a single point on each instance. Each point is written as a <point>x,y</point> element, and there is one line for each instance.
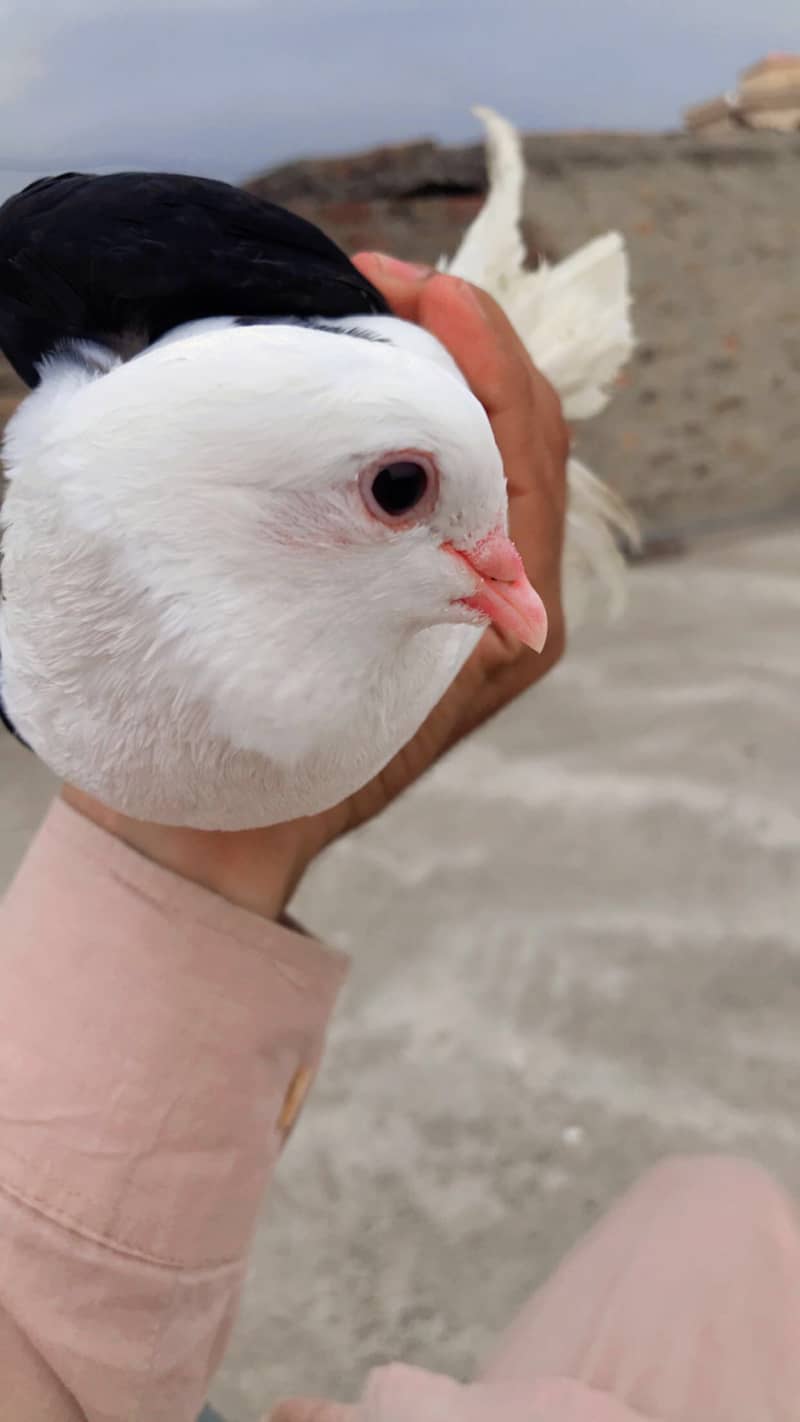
<point>398,488</point>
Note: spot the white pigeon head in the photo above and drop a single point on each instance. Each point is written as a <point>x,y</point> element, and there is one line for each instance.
<point>285,539</point>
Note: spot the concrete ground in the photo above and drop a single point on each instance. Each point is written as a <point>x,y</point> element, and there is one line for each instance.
<point>576,949</point>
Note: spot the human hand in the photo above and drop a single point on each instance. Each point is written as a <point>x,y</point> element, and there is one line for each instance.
<point>528,426</point>
<point>260,869</point>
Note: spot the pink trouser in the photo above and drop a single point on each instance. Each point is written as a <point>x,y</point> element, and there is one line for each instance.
<point>683,1302</point>
<point>681,1305</point>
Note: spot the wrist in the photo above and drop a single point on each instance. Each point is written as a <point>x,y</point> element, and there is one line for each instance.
<point>257,870</point>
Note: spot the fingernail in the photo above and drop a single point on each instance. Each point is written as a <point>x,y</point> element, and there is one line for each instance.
<point>406,271</point>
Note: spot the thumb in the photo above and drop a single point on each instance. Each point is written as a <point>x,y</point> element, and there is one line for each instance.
<point>312,1409</point>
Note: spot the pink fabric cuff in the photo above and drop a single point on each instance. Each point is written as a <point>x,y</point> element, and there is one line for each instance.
<point>150,1036</point>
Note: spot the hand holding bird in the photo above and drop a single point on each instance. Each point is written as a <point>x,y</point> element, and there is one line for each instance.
<point>258,521</point>
<point>259,869</point>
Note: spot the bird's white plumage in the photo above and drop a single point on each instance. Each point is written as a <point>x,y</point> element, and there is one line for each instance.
<point>202,625</point>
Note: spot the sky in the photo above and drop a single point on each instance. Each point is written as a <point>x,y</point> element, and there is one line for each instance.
<point>230,87</point>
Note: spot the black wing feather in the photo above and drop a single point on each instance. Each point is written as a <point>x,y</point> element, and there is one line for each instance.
<point>125,258</point>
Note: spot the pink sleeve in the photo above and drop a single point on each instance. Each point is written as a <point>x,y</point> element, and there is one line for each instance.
<point>155,1044</point>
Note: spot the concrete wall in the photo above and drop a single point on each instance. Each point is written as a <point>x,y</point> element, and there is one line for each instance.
<point>706,429</point>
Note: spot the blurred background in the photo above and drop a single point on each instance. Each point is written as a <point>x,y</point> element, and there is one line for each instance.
<point>575,944</point>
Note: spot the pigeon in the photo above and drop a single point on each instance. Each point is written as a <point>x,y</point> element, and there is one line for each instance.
<point>255,523</point>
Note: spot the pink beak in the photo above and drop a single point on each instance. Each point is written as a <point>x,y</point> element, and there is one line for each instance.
<point>503,594</point>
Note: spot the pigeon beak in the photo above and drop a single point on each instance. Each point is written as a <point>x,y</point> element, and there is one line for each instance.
<point>503,594</point>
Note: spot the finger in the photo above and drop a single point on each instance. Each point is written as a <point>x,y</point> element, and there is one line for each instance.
<point>464,318</point>
<point>518,399</point>
<point>481,340</point>
<point>400,282</point>
<point>524,411</point>
<point>527,422</point>
<point>462,315</point>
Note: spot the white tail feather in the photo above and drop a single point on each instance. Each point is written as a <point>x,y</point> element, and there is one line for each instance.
<point>492,252</point>
<point>574,319</point>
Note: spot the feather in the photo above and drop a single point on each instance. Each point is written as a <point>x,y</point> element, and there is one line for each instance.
<point>574,319</point>
<point>121,259</point>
